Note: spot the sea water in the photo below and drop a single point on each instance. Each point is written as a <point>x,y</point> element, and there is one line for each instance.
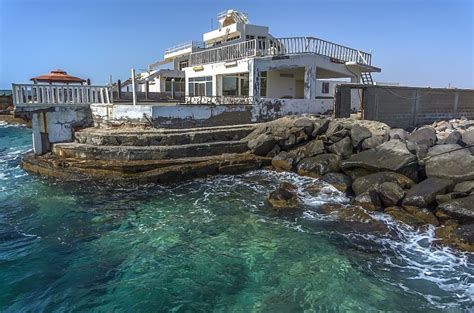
<point>208,245</point>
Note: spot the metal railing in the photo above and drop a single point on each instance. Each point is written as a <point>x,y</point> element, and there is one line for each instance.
<point>280,46</point>
<point>185,45</point>
<point>27,94</point>
<point>210,100</point>
<point>231,52</point>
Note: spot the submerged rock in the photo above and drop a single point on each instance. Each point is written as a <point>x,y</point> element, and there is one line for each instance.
<point>284,197</point>
<point>412,216</point>
<point>319,165</point>
<point>424,194</point>
<point>371,181</point>
<point>457,236</point>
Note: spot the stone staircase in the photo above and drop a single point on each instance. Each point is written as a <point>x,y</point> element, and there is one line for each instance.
<point>150,155</point>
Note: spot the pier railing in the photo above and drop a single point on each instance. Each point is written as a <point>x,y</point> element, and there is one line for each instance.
<point>280,46</point>
<point>27,94</point>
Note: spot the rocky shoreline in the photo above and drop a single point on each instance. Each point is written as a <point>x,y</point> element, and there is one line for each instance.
<point>421,178</point>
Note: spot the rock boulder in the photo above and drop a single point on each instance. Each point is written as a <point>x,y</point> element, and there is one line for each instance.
<point>450,161</point>
<point>461,209</point>
<point>371,181</point>
<point>424,194</point>
<point>319,165</point>
<point>284,197</point>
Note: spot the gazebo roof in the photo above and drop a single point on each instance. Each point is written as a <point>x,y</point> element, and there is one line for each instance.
<point>58,76</point>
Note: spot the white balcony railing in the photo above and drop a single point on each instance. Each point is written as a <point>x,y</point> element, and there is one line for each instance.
<point>280,46</point>
<point>28,94</point>
<point>185,45</point>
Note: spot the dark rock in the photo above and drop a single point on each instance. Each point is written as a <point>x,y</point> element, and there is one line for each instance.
<point>369,200</point>
<point>423,136</point>
<point>319,165</point>
<point>343,147</point>
<point>306,123</point>
<point>465,232</point>
<point>284,197</point>
<point>450,196</point>
<point>371,181</point>
<point>340,181</point>
<point>453,138</point>
<point>424,194</point>
<point>372,142</point>
<point>262,144</point>
<point>399,134</point>
<point>468,137</point>
<point>457,236</point>
<point>274,152</point>
<point>465,187</point>
<point>283,161</point>
<point>391,155</point>
<point>358,134</point>
<point>320,127</point>
<point>450,161</point>
<point>347,213</point>
<point>420,150</point>
<point>390,193</point>
<point>461,209</point>
<point>412,216</point>
<point>313,148</point>
<point>357,172</point>
<point>287,143</point>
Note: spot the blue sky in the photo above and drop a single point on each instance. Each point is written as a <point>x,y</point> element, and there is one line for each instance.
<point>415,42</point>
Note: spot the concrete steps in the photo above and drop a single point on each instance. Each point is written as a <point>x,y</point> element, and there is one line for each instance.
<point>162,137</point>
<point>126,153</point>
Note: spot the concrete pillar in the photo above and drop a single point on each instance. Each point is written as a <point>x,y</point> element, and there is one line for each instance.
<point>355,79</point>
<point>36,133</point>
<point>310,82</point>
<point>254,79</point>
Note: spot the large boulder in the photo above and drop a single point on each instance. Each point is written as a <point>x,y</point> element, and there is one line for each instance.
<point>336,131</point>
<point>468,137</point>
<point>399,134</point>
<point>343,147</point>
<point>305,123</point>
<point>358,134</point>
<point>390,193</point>
<point>450,161</point>
<point>284,197</point>
<point>262,144</point>
<point>313,148</point>
<point>465,187</point>
<point>450,196</point>
<point>283,161</point>
<point>461,209</point>
<point>423,136</point>
<point>372,142</point>
<point>371,181</point>
<point>392,155</point>
<point>319,165</point>
<point>320,127</point>
<point>424,194</point>
<point>340,181</point>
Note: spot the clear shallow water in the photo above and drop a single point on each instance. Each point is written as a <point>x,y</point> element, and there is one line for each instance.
<point>206,245</point>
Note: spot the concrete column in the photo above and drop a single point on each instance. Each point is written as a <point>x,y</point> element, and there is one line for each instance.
<point>214,85</point>
<point>254,79</point>
<point>355,79</point>
<point>36,133</point>
<point>310,82</point>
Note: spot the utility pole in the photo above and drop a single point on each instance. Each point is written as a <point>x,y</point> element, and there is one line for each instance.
<point>134,93</point>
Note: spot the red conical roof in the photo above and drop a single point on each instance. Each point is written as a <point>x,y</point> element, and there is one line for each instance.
<point>58,76</point>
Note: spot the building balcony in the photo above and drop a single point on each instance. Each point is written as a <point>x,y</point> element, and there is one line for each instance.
<point>183,49</point>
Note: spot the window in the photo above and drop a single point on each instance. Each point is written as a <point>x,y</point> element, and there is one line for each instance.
<point>183,64</point>
<point>249,37</point>
<point>325,87</point>
<point>200,86</point>
<point>263,84</point>
<point>235,85</point>
<point>178,84</point>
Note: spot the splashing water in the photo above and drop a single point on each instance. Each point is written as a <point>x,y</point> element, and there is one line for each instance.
<point>208,245</point>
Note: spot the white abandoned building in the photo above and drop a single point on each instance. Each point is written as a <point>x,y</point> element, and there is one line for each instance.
<point>242,63</point>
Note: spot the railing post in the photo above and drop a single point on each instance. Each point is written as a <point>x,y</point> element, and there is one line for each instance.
<point>134,93</point>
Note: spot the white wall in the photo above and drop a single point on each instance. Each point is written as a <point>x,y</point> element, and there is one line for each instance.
<point>280,87</point>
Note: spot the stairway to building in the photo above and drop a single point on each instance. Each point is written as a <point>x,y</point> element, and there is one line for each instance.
<point>366,78</point>
<point>154,155</point>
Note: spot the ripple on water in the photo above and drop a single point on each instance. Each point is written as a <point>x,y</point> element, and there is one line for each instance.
<point>208,245</point>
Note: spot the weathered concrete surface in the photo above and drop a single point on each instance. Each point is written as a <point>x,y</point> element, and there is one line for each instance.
<point>92,152</point>
<point>153,137</point>
<point>157,171</point>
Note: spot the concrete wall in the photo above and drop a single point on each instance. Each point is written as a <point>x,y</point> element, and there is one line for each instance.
<point>182,116</point>
<point>409,107</point>
<point>56,124</point>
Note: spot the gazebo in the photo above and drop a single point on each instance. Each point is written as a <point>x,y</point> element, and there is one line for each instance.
<point>58,76</point>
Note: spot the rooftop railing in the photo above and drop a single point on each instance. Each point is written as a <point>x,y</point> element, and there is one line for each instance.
<point>185,45</point>
<point>280,46</point>
<point>30,94</point>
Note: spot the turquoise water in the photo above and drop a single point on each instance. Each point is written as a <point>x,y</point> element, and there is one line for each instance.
<point>209,245</point>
